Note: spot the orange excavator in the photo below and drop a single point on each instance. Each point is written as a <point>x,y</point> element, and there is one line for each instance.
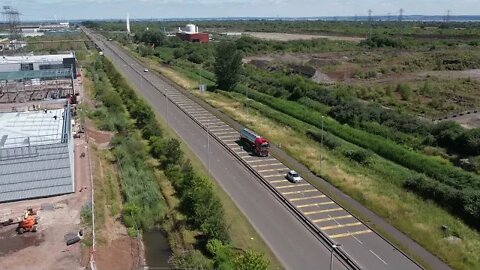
<point>29,222</point>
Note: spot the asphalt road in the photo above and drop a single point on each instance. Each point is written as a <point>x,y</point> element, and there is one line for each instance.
<point>294,245</point>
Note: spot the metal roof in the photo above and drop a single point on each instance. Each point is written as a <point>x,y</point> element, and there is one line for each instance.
<point>36,154</point>
<point>45,172</point>
<point>22,59</point>
<point>36,74</point>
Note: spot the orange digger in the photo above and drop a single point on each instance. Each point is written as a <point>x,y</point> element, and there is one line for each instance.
<point>29,222</point>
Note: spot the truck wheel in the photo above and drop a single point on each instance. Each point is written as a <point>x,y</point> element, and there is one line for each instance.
<point>20,230</point>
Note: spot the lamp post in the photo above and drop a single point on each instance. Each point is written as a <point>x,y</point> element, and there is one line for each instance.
<point>208,148</point>
<point>321,146</point>
<point>166,105</point>
<point>334,246</point>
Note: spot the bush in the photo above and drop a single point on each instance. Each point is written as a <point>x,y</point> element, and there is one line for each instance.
<point>361,156</point>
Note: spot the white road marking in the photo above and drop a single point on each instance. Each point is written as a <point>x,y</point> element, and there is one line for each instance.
<point>315,204</point>
<point>260,160</point>
<point>338,226</point>
<point>330,218</point>
<point>292,186</point>
<point>384,262</point>
<point>272,170</point>
<point>298,192</point>
<point>323,211</point>
<point>266,165</point>
<point>273,175</point>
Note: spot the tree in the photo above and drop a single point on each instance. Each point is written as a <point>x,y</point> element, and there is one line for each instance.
<point>250,260</point>
<point>228,64</point>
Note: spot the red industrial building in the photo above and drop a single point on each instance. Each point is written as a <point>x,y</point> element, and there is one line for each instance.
<point>193,37</point>
<point>191,34</point>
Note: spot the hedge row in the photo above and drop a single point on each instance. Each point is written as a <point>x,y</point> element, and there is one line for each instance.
<point>465,203</point>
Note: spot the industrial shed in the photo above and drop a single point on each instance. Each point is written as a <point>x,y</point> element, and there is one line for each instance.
<point>36,154</point>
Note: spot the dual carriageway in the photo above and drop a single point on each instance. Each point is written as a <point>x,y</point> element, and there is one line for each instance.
<point>259,188</point>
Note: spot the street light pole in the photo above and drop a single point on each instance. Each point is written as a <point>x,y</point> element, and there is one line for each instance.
<point>334,246</point>
<point>166,106</point>
<point>208,148</point>
<point>321,146</point>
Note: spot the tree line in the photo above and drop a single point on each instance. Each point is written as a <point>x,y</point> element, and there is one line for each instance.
<point>198,200</point>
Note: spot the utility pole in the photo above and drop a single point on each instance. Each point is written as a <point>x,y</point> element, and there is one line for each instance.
<point>388,16</point>
<point>321,147</point>
<point>447,19</point>
<point>370,23</point>
<point>400,15</point>
<point>208,148</point>
<point>166,105</point>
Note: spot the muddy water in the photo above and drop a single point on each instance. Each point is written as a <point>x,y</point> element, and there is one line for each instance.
<point>157,250</point>
<point>11,242</point>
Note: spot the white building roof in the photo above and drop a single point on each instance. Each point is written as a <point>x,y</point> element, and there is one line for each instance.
<point>34,162</point>
<point>35,58</point>
<point>30,128</point>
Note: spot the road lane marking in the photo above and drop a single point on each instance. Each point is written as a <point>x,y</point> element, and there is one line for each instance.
<point>292,186</point>
<point>277,181</point>
<point>340,226</point>
<point>315,204</point>
<point>211,120</point>
<point>260,160</point>
<point>323,211</point>
<point>272,175</point>
<point>299,192</point>
<point>266,165</point>
<point>349,234</point>
<point>231,140</point>
<point>306,198</point>
<point>202,117</point>
<point>233,144</point>
<point>201,114</point>
<point>273,170</point>
<point>226,133</point>
<point>384,262</point>
<point>219,129</point>
<point>330,218</point>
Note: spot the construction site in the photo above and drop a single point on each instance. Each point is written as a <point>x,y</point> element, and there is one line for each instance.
<point>44,168</point>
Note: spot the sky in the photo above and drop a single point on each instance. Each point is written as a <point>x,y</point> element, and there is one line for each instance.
<point>158,9</point>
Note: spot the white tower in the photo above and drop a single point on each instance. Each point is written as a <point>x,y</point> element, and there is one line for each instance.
<point>128,23</point>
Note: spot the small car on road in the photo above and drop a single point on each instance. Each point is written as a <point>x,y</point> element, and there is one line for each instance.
<point>293,176</point>
<point>145,70</point>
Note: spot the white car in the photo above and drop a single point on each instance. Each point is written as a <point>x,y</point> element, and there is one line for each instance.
<point>293,176</point>
<point>145,70</point>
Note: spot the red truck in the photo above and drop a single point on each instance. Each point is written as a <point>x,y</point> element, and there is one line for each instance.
<point>259,145</point>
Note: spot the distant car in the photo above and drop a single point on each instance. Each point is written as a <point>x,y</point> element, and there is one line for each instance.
<point>145,70</point>
<point>110,39</point>
<point>293,176</point>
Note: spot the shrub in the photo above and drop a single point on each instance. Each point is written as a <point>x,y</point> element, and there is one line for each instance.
<point>361,156</point>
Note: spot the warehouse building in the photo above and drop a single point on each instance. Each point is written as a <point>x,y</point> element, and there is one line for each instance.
<point>39,62</point>
<point>36,154</point>
<point>37,78</point>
